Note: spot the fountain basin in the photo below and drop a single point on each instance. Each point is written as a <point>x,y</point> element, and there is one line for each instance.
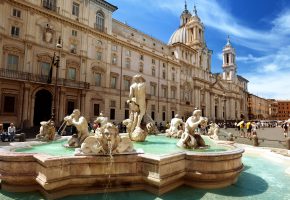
<point>59,176</point>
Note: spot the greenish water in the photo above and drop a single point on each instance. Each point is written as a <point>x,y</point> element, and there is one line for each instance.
<point>164,145</point>
<point>158,145</point>
<point>261,179</point>
<point>55,148</point>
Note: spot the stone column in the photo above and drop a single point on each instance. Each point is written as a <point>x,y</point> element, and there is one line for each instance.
<point>62,102</point>
<point>207,104</point>
<point>25,102</point>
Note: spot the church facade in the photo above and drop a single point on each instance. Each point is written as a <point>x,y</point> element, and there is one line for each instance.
<point>97,60</point>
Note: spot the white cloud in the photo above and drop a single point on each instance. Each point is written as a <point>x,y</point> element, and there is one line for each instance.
<point>270,85</point>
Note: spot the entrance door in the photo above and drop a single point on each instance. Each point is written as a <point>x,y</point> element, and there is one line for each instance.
<point>42,107</point>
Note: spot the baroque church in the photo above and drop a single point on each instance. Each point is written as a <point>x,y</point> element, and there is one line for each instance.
<point>97,59</point>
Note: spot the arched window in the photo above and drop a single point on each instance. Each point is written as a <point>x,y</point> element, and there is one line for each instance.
<point>100,21</point>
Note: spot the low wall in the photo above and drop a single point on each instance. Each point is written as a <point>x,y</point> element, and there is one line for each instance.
<point>57,177</point>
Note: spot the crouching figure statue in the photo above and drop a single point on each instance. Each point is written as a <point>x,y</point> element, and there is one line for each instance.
<point>190,138</point>
<point>46,131</point>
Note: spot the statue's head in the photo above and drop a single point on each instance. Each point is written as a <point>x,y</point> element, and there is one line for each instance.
<point>177,116</point>
<point>76,112</point>
<point>196,113</point>
<point>138,79</point>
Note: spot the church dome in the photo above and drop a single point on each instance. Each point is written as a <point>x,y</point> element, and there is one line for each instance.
<point>178,36</point>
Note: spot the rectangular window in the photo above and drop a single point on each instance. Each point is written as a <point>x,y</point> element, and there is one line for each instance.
<point>173,76</point>
<point>98,78</point>
<point>163,116</point>
<point>173,93</point>
<point>126,114</point>
<point>164,92</point>
<point>9,104</point>
<point>163,74</point>
<point>44,68</point>
<point>73,48</point>
<point>114,59</point>
<point>75,9</point>
<point>74,33</point>
<point>153,90</point>
<point>70,106</point>
<point>16,13</point>
<point>113,82</point>
<point>71,73</point>
<point>114,47</point>
<point>153,61</point>
<point>12,62</point>
<point>126,84</point>
<point>128,53</point>
<point>141,57</point>
<point>153,71</point>
<point>127,63</point>
<point>112,103</point>
<point>96,109</point>
<point>15,31</point>
<point>112,114</point>
<point>99,55</point>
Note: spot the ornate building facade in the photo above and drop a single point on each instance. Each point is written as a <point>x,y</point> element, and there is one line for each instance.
<point>98,59</point>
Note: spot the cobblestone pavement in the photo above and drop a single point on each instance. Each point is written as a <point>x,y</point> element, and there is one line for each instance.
<point>268,134</point>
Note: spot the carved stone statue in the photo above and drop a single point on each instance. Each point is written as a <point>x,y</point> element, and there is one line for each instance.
<point>191,138</point>
<point>176,127</point>
<point>137,104</point>
<point>81,125</point>
<point>46,131</point>
<point>106,140</point>
<point>213,131</point>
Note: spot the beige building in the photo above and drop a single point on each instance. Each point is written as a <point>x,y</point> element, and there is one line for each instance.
<point>98,58</point>
<point>258,107</point>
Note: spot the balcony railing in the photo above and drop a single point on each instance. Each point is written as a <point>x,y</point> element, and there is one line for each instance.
<point>50,5</point>
<point>25,76</point>
<point>100,28</point>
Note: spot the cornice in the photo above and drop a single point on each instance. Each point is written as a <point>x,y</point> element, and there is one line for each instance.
<point>106,4</point>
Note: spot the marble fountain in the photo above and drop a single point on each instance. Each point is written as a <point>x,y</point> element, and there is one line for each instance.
<point>106,161</point>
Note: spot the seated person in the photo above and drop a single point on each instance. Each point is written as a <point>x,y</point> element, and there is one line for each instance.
<point>11,132</point>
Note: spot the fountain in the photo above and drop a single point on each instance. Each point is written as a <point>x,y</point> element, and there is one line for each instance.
<point>84,170</point>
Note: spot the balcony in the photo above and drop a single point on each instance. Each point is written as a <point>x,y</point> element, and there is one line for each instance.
<point>36,78</point>
<point>50,5</point>
<point>100,28</point>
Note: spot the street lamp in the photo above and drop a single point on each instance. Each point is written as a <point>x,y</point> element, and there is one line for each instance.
<point>225,104</point>
<point>55,62</point>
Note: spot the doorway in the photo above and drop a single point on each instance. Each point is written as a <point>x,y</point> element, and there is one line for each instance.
<point>42,107</point>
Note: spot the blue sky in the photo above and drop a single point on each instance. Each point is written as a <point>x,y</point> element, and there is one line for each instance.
<point>259,31</point>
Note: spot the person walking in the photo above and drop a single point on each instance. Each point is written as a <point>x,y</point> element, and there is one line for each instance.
<point>249,129</point>
<point>285,126</point>
<point>254,128</point>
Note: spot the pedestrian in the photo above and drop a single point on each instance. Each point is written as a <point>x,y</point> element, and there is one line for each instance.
<point>254,128</point>
<point>285,126</point>
<point>11,132</point>
<point>2,133</point>
<point>241,125</point>
<point>249,129</point>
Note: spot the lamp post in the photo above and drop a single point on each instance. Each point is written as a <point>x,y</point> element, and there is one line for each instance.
<point>56,64</point>
<point>225,104</point>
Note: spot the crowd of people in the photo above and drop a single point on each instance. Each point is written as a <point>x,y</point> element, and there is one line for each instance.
<point>9,135</point>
